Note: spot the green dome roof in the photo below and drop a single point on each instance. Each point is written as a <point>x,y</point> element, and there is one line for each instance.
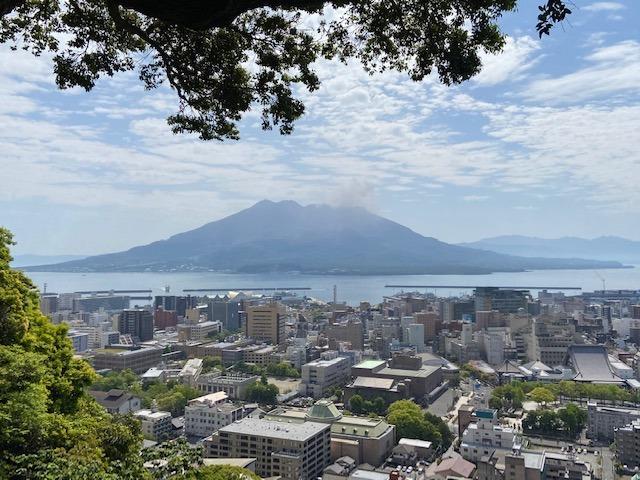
<point>323,411</point>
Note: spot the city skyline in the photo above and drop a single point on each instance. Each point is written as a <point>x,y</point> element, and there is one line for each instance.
<point>542,142</point>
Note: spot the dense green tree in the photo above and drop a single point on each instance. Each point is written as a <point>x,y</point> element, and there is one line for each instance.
<point>356,404</point>
<point>49,427</point>
<point>282,370</point>
<point>542,395</point>
<point>262,392</point>
<point>412,422</point>
<point>211,363</point>
<point>566,422</point>
<point>220,472</point>
<point>227,57</point>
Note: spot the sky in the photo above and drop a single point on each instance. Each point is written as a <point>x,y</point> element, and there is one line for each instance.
<point>545,141</point>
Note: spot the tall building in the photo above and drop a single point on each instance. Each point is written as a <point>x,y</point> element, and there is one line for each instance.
<point>293,451</point>
<point>432,324</point>
<point>266,323</point>
<point>351,330</point>
<point>178,304</point>
<point>635,311</point>
<point>164,318</point>
<point>413,334</point>
<point>602,421</point>
<point>204,415</point>
<point>224,310</point>
<point>504,300</point>
<point>136,322</point>
<point>627,440</point>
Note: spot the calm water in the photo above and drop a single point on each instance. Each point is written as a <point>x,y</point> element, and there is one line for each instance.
<point>351,289</point>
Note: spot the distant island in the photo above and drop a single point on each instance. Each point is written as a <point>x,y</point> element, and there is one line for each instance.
<point>315,239</point>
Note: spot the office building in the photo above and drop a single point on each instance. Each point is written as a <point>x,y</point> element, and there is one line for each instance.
<point>627,440</point>
<point>226,311</point>
<point>138,360</point>
<point>197,331</point>
<point>350,330</point>
<point>504,300</point>
<point>136,322</point>
<point>602,421</point>
<point>413,335</point>
<point>329,371</point>
<point>266,323</point>
<point>207,414</point>
<point>100,302</point>
<point>431,322</point>
<point>295,451</point>
<point>178,304</point>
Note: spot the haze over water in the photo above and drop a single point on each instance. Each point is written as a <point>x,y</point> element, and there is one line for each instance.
<point>351,289</point>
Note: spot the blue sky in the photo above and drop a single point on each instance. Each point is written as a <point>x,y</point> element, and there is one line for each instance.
<point>545,141</point>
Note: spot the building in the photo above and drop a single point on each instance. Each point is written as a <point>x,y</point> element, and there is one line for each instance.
<point>98,302</point>
<point>492,344</point>
<point>197,331</point>
<point>191,372</point>
<point>602,421</point>
<point>365,440</point>
<point>504,300</point>
<point>235,385</point>
<point>139,360</point>
<point>164,319</point>
<point>431,322</point>
<point>350,330</point>
<point>296,451</point>
<point>627,440</point>
<point>48,304</point>
<point>413,335</point>
<point>454,467</point>
<point>259,355</point>
<point>204,415</point>
<point>552,338</point>
<point>79,340</point>
<point>318,376</point>
<point>486,435</point>
<point>178,304</point>
<point>116,401</point>
<point>530,465</point>
<point>156,425</point>
<point>226,311</point>
<point>266,323</point>
<point>420,380</point>
<point>136,322</point>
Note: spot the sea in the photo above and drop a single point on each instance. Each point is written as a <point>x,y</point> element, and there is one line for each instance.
<point>351,289</point>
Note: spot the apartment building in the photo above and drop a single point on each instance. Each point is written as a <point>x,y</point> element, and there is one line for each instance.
<point>296,451</point>
<point>627,440</point>
<point>136,322</point>
<point>207,414</point>
<point>319,375</point>
<point>156,425</point>
<point>552,338</point>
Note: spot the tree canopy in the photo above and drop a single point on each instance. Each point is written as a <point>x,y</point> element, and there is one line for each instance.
<point>225,58</point>
<point>412,422</point>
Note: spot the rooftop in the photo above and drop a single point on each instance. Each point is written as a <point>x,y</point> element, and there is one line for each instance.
<point>373,382</point>
<point>370,364</point>
<point>269,428</point>
<point>423,372</point>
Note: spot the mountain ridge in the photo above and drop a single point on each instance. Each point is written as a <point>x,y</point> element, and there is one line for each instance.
<point>319,239</point>
<point>608,247</point>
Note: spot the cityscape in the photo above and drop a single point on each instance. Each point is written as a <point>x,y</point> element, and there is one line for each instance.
<point>496,383</point>
<point>319,240</point>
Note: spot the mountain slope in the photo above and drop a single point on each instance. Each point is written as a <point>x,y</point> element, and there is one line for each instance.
<point>286,236</point>
<point>600,248</point>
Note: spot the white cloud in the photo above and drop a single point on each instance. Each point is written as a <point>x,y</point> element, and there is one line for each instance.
<point>614,69</point>
<point>604,7</point>
<point>510,64</point>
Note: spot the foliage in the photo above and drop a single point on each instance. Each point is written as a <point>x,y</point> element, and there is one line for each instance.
<point>411,422</point>
<point>223,59</point>
<point>220,472</point>
<point>173,458</point>
<point>211,363</point>
<point>282,370</point>
<point>335,392</point>
<point>506,397</point>
<point>567,422</point>
<point>542,395</point>
<point>469,370</point>
<point>49,427</point>
<point>171,396</point>
<point>361,406</point>
<point>262,392</point>
<point>583,390</point>
<point>250,368</point>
